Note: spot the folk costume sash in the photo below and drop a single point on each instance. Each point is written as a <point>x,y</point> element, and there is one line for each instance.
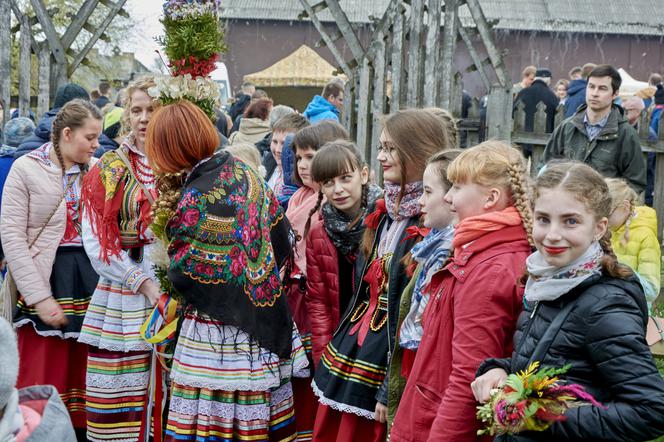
<point>229,239</point>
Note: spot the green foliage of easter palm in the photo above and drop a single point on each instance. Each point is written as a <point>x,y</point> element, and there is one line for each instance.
<point>198,36</point>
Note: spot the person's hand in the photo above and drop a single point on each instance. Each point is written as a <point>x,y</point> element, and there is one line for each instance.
<point>381,413</point>
<point>50,313</point>
<point>483,385</point>
<point>151,291</point>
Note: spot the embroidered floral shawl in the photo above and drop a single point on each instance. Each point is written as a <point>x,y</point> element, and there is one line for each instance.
<point>229,239</point>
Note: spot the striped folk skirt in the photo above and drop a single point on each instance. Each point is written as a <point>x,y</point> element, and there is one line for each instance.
<point>117,387</point>
<point>226,387</point>
<point>50,356</point>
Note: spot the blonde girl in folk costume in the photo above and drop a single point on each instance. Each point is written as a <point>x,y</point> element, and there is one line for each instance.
<point>334,241</point>
<point>117,195</point>
<point>599,314</point>
<point>634,236</point>
<point>237,347</point>
<point>474,300</point>
<point>350,380</point>
<point>41,236</point>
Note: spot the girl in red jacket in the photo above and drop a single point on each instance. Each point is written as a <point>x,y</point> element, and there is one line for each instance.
<point>474,300</point>
<point>334,241</point>
<point>350,379</point>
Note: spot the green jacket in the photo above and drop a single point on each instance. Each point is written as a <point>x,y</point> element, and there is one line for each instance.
<point>615,152</point>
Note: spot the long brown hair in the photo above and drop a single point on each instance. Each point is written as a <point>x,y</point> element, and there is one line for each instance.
<point>417,134</point>
<point>588,187</point>
<point>333,159</point>
<point>72,115</point>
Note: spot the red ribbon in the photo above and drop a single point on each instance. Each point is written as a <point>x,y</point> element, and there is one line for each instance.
<point>376,278</point>
<point>373,219</point>
<point>415,232</point>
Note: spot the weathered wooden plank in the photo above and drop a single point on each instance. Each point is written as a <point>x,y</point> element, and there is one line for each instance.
<point>398,88</point>
<point>24,65</point>
<point>539,123</point>
<point>363,117</point>
<point>485,33</point>
<point>349,116</point>
<point>44,57</point>
<point>93,39</point>
<point>54,42</point>
<point>477,61</point>
<point>431,68</point>
<point>19,17</point>
<point>328,41</point>
<point>519,117</point>
<point>560,116</point>
<point>455,94</point>
<point>5,60</point>
<point>378,101</point>
<point>346,29</point>
<point>448,48</point>
<point>499,115</point>
<point>414,96</point>
<point>81,17</point>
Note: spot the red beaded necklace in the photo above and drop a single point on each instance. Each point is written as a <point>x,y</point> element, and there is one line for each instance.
<point>143,172</point>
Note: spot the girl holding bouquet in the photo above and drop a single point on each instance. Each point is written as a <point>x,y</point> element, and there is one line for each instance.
<point>598,311</point>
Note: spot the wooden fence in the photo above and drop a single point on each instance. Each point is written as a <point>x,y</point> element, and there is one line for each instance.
<point>539,137</point>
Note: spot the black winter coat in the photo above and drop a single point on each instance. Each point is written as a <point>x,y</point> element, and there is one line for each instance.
<point>531,96</point>
<point>603,339</point>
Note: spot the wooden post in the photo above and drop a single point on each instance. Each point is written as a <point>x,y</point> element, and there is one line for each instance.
<point>473,136</point>
<point>43,99</point>
<point>5,60</point>
<point>431,67</point>
<point>363,139</point>
<point>346,29</point>
<point>485,33</point>
<point>658,200</point>
<point>397,62</point>
<point>499,113</point>
<point>477,61</point>
<point>414,53</point>
<point>447,56</point>
<point>378,101</point>
<point>24,65</point>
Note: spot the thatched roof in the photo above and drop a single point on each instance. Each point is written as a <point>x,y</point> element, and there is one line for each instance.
<point>635,17</point>
<point>304,67</point>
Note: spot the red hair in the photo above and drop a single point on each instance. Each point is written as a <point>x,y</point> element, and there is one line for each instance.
<point>179,136</point>
<point>259,109</point>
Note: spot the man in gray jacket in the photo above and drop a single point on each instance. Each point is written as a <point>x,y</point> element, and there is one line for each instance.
<point>599,135</point>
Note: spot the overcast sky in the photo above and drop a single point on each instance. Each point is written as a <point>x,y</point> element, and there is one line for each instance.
<point>147,14</point>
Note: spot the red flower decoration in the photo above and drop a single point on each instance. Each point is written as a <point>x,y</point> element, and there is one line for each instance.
<point>373,219</point>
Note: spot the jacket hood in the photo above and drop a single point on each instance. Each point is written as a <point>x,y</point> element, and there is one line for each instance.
<point>576,86</point>
<point>254,126</point>
<point>43,129</point>
<point>318,106</point>
<point>646,218</point>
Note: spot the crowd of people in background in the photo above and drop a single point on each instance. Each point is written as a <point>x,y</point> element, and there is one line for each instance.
<point>316,302</point>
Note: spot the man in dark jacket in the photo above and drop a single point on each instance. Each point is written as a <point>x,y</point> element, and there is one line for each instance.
<point>599,135</point>
<point>537,92</point>
<point>42,134</point>
<point>576,92</point>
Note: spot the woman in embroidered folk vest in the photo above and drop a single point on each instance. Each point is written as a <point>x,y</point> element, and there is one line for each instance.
<point>228,240</point>
<point>117,195</point>
<point>350,380</point>
<point>41,235</point>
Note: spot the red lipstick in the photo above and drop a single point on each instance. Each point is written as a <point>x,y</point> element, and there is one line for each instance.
<point>555,250</point>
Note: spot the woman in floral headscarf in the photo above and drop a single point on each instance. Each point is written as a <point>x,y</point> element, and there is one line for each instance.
<point>228,240</point>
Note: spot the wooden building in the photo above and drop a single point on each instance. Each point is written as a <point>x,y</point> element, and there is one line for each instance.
<point>557,34</point>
